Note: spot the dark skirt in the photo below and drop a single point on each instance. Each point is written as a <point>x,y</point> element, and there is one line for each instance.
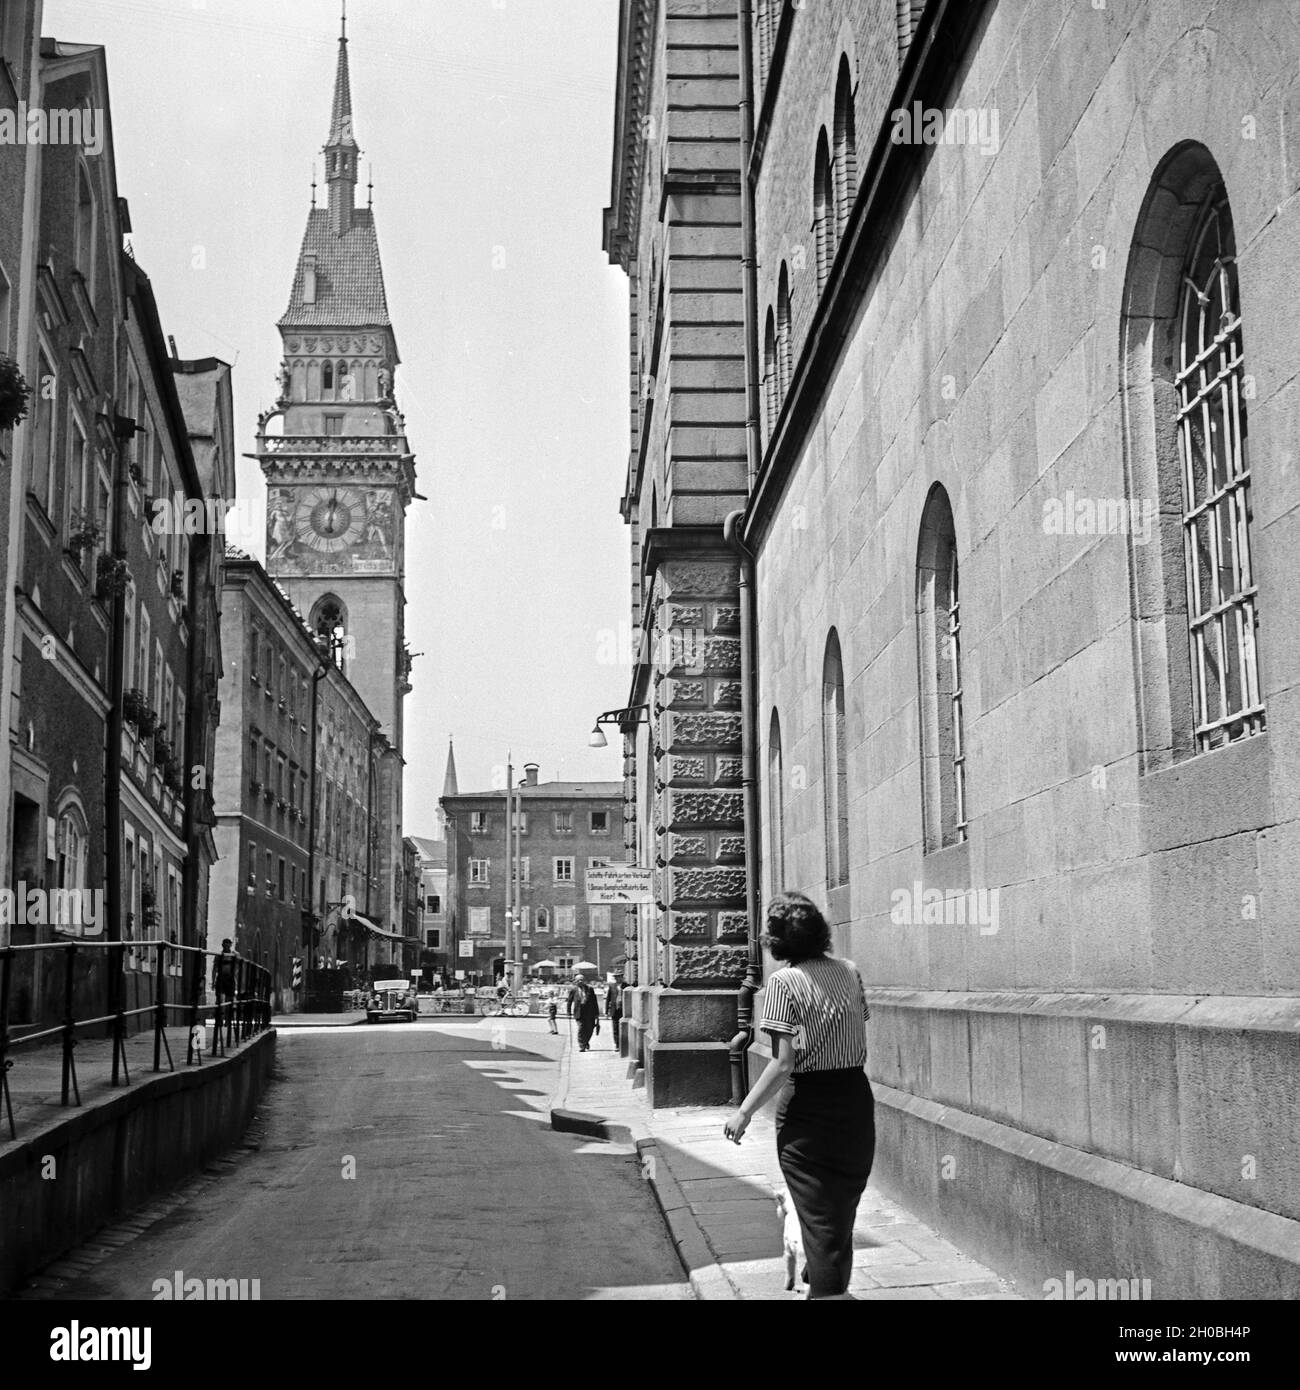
<point>825,1142</point>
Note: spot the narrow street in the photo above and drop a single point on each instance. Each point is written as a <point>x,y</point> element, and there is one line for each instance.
<point>461,1190</point>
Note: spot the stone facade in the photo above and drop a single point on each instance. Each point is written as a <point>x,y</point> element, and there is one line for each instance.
<point>674,226</point>
<point>992,323</point>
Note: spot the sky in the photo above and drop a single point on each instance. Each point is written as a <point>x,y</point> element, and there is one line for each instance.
<point>488,127</point>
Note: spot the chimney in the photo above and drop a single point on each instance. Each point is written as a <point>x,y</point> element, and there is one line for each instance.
<point>530,774</point>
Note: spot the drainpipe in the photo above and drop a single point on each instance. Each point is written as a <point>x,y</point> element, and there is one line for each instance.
<point>732,528</point>
<point>753,980</point>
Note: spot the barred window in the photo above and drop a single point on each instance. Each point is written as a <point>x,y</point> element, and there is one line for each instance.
<point>844,167</point>
<point>775,806</point>
<point>823,209</point>
<point>939,649</point>
<point>1222,608</point>
<point>835,765</point>
<point>771,387</point>
<point>784,352</point>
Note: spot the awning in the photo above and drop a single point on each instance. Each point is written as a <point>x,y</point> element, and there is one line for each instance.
<point>377,930</point>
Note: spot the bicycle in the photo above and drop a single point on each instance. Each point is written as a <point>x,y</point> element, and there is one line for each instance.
<point>511,1004</point>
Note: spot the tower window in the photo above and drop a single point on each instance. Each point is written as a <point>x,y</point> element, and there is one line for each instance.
<point>327,381</point>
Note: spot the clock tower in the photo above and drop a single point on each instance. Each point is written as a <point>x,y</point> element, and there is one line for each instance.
<point>339,470</point>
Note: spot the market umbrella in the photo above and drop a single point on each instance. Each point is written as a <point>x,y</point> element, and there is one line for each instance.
<point>586,965</point>
<point>546,965</point>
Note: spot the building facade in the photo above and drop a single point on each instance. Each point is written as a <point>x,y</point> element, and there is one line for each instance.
<point>20,26</point>
<point>339,470</point>
<point>436,956</point>
<point>1014,321</point>
<point>675,225</point>
<point>108,696</point>
<point>298,811</point>
<point>564,829</point>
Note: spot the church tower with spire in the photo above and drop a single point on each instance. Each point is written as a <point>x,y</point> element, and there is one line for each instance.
<point>339,470</point>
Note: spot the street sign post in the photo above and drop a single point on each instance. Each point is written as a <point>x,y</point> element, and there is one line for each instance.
<point>620,883</point>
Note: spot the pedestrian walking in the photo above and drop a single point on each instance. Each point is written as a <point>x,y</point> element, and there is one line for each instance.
<point>552,1011</point>
<point>614,1009</point>
<point>815,1010</point>
<point>585,1008</point>
<point>224,970</point>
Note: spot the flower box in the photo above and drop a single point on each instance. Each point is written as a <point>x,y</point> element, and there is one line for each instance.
<point>14,392</point>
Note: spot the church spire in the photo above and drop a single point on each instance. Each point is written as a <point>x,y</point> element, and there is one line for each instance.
<point>450,787</point>
<point>341,150</point>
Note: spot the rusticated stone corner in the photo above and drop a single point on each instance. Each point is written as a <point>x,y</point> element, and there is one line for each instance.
<point>707,885</point>
<point>705,807</point>
<point>704,967</point>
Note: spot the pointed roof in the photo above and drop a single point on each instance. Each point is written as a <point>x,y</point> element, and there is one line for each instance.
<point>349,277</point>
<point>341,114</point>
<point>450,787</point>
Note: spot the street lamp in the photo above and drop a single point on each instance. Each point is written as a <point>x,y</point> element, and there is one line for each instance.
<point>631,715</point>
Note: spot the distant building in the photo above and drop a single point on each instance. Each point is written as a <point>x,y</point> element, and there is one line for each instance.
<point>298,820</point>
<point>565,829</point>
<point>340,473</point>
<point>431,860</point>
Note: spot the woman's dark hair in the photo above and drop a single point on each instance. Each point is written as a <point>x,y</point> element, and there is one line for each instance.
<point>796,929</point>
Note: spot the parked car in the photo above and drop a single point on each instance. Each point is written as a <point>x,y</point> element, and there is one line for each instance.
<point>392,1001</point>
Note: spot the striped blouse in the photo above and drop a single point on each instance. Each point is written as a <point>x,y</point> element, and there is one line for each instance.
<point>822,1005</point>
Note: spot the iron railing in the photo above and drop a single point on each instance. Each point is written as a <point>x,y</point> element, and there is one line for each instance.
<point>234,1019</point>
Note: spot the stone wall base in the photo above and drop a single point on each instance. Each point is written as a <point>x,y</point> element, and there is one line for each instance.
<point>687,1073</point>
<point>120,1151</point>
<point>1037,1211</point>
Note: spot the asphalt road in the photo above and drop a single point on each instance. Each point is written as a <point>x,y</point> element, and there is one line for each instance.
<point>402,1161</point>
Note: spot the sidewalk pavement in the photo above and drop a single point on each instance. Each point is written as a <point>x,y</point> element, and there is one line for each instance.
<point>36,1076</point>
<point>343,1020</point>
<point>717,1197</point>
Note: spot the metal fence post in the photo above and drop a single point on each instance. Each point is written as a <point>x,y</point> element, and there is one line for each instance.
<point>6,970</point>
<point>195,995</point>
<point>119,1014</point>
<point>69,1028</point>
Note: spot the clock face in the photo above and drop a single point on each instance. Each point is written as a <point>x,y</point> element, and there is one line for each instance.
<point>330,518</point>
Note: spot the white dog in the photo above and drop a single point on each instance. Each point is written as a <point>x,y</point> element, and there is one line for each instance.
<point>791,1238</point>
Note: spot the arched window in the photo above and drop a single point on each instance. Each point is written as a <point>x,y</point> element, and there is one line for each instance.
<point>823,209</point>
<point>1195,598</point>
<point>938,622</point>
<point>908,14</point>
<point>327,381</point>
<point>345,387</point>
<point>775,807</point>
<point>1222,609</point>
<point>835,766</point>
<point>329,623</point>
<point>771,384</point>
<point>84,246</point>
<point>845,161</point>
<point>784,356</point>
<point>70,867</point>
<point>768,12</point>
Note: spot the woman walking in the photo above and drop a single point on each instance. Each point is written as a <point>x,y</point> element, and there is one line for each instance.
<point>815,1010</point>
